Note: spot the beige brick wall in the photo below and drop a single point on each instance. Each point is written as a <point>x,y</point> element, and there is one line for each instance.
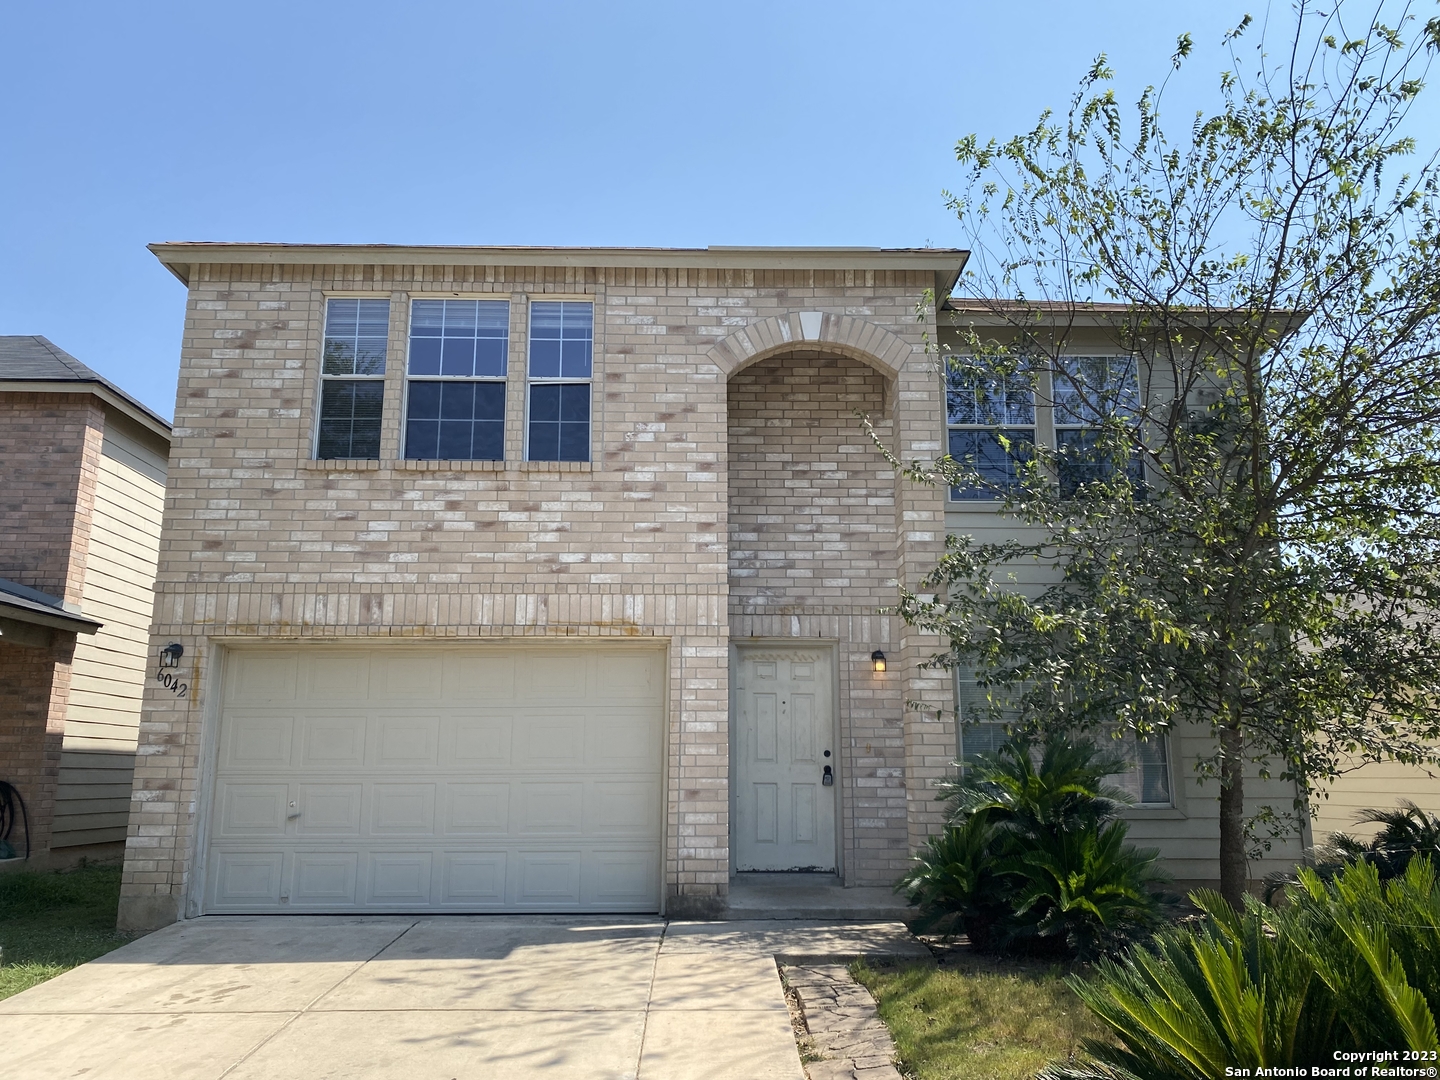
<point>261,543</point>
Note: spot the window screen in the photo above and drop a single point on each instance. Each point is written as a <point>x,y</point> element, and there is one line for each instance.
<point>978,413</point>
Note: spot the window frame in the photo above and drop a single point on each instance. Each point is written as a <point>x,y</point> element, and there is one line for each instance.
<point>1005,429</point>
<point>324,379</point>
<point>503,379</point>
<point>531,381</point>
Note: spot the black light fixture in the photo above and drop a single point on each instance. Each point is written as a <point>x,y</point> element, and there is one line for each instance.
<point>170,654</point>
<point>877,658</point>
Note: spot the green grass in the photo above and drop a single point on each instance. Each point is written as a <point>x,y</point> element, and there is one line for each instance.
<point>50,923</point>
<point>978,1019</point>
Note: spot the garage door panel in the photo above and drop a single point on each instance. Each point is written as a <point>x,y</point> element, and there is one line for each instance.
<point>325,879</point>
<point>623,738</point>
<point>329,809</point>
<point>332,742</point>
<point>620,877</point>
<point>547,676</point>
<point>449,778</point>
<point>258,742</point>
<point>399,878</point>
<point>550,808</point>
<point>485,678</point>
<point>400,809</point>
<point>630,678</point>
<point>477,809</point>
<point>247,878</point>
<point>474,879</point>
<point>548,879</point>
<point>260,678</point>
<point>622,807</point>
<point>413,679</point>
<point>336,678</point>
<point>545,741</point>
<point>404,742</point>
<point>477,742</point>
<point>251,810</point>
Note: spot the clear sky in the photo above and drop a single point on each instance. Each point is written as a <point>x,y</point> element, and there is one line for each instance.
<point>654,124</point>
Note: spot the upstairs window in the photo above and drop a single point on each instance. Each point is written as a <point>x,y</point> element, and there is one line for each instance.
<point>352,378</point>
<point>561,345</point>
<point>1088,391</point>
<point>455,391</point>
<point>979,411</point>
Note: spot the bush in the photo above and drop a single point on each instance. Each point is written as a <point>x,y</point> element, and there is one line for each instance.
<point>1349,964</point>
<point>1406,831</point>
<point>1034,859</point>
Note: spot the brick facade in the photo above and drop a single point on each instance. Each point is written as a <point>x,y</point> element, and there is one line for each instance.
<point>261,543</point>
<point>50,447</point>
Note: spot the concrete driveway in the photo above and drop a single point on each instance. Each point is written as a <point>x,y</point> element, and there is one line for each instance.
<point>430,998</point>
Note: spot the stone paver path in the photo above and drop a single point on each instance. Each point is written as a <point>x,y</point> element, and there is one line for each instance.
<point>843,1023</point>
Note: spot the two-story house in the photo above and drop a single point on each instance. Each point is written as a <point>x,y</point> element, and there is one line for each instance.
<point>82,486</point>
<point>545,579</point>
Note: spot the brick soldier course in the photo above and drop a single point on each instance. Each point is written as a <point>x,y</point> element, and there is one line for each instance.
<point>731,496</point>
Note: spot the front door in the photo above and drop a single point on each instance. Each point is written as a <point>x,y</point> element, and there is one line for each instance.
<point>785,760</point>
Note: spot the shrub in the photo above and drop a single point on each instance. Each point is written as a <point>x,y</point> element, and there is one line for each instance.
<point>1349,964</point>
<point>1034,859</point>
<point>1407,831</point>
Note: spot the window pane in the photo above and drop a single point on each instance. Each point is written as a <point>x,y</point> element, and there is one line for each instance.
<point>545,402</point>
<point>350,419</point>
<point>465,329</point>
<point>575,361</point>
<point>574,442</point>
<point>544,441</point>
<point>970,400</point>
<point>455,421</point>
<point>575,402</point>
<point>1082,460</point>
<point>977,739</point>
<point>982,451</point>
<point>424,356</point>
<point>355,337</point>
<point>544,359</point>
<point>1147,781</point>
<point>1090,388</point>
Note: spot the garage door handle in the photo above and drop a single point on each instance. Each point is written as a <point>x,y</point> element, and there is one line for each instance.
<point>292,817</point>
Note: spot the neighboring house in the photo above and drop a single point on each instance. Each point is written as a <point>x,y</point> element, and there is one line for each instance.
<point>542,579</point>
<point>82,489</point>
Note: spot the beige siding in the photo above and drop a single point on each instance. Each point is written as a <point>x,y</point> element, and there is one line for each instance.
<point>1378,786</point>
<point>102,722</point>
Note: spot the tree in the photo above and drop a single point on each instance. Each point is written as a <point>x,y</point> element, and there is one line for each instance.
<point>1251,541</point>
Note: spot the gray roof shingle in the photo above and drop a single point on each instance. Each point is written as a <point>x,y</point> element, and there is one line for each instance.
<point>32,358</point>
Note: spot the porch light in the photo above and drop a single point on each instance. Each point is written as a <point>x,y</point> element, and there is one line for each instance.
<point>170,654</point>
<point>878,659</point>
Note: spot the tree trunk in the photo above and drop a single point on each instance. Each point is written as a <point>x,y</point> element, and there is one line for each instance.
<point>1234,867</point>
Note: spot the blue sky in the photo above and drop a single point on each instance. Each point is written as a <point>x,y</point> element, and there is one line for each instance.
<point>663,124</point>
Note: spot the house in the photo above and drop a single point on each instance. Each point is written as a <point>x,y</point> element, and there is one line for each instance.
<point>550,579</point>
<point>81,496</point>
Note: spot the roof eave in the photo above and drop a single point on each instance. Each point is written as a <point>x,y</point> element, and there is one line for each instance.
<point>108,394</point>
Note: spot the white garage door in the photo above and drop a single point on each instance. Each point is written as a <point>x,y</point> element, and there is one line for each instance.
<point>438,779</point>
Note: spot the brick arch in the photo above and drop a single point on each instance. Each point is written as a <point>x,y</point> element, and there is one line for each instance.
<point>860,340</point>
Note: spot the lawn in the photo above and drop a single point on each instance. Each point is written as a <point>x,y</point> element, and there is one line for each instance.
<point>977,1019</point>
<point>50,923</point>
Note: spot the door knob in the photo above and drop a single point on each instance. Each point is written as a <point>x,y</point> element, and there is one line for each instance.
<point>828,777</point>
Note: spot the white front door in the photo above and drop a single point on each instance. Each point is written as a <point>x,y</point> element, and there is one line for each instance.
<point>785,761</point>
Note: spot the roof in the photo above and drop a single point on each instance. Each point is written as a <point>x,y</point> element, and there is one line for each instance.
<point>32,363</point>
<point>27,605</point>
<point>945,263</point>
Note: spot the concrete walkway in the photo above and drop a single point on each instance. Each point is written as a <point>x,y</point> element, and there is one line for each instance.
<point>432,998</point>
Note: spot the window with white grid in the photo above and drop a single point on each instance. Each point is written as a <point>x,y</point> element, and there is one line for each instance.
<point>352,378</point>
<point>557,422</point>
<point>983,414</point>
<point>455,390</point>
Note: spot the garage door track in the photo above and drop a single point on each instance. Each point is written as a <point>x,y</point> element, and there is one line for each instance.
<point>429,998</point>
